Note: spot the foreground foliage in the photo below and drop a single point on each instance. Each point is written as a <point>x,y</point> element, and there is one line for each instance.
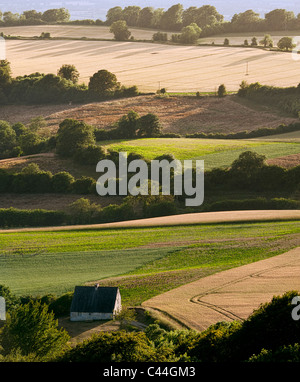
<point>269,334</point>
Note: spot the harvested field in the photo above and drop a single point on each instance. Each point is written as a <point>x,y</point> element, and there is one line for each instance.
<point>239,38</point>
<point>74,31</point>
<point>288,161</point>
<point>176,68</point>
<point>182,115</point>
<point>232,294</point>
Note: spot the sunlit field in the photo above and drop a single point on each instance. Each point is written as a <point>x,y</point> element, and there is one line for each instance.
<point>152,66</point>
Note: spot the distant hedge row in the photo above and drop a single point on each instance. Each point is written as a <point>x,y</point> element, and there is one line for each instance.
<point>253,204</point>
<point>12,217</point>
<point>261,132</point>
<point>15,218</point>
<point>45,182</point>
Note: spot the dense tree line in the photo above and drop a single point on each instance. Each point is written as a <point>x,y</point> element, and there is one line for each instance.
<point>40,88</point>
<point>248,173</point>
<point>206,17</point>
<point>31,334</point>
<point>32,17</point>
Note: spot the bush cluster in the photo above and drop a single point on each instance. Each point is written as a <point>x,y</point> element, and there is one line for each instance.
<point>40,88</point>
<point>285,99</point>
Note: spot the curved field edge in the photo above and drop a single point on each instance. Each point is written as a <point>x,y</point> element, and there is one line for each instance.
<point>143,262</point>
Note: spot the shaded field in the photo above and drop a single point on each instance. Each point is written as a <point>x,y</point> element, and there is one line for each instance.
<point>142,261</point>
<point>182,115</point>
<point>151,66</point>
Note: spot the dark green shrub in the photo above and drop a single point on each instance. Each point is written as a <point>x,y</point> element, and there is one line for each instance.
<point>222,91</point>
<point>72,135</point>
<point>288,353</point>
<point>268,327</point>
<point>6,180</point>
<point>13,217</point>
<point>110,347</point>
<point>160,36</point>
<point>32,329</point>
<point>253,204</point>
<point>214,344</point>
<point>115,212</point>
<point>62,182</point>
<point>162,208</point>
<point>61,305</point>
<point>84,185</point>
<point>89,155</point>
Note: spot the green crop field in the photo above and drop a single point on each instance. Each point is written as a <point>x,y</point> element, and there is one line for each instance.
<point>152,260</point>
<point>215,153</point>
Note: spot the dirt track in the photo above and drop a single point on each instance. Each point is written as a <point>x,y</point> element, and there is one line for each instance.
<point>232,294</point>
<point>184,219</point>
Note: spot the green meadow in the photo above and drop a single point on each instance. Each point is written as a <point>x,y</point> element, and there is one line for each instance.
<point>148,261</point>
<point>215,152</point>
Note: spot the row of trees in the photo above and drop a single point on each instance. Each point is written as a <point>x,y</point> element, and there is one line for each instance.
<point>206,17</point>
<point>38,88</point>
<point>174,19</point>
<point>191,33</point>
<point>32,17</point>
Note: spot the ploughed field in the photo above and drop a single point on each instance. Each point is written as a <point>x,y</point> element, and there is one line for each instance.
<point>177,114</point>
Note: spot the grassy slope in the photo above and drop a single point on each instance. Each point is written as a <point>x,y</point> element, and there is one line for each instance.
<point>216,153</point>
<point>157,259</point>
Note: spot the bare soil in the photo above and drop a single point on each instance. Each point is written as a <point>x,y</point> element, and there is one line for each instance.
<point>182,115</point>
<point>288,161</point>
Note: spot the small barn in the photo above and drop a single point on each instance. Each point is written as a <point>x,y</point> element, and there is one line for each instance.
<point>95,303</point>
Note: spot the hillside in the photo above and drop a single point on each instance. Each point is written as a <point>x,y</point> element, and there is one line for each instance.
<point>182,115</point>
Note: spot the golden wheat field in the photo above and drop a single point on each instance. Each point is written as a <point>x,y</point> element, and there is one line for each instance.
<point>74,31</point>
<point>152,66</point>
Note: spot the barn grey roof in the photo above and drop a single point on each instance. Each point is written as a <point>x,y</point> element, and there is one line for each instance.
<point>94,299</point>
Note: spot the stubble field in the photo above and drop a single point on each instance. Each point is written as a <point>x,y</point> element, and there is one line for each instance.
<point>153,66</point>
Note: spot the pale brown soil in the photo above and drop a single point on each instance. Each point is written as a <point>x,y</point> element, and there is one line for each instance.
<point>182,115</point>
<point>288,161</point>
<point>232,294</point>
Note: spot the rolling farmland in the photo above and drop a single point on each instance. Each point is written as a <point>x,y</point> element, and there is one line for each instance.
<point>153,66</point>
<point>155,259</point>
